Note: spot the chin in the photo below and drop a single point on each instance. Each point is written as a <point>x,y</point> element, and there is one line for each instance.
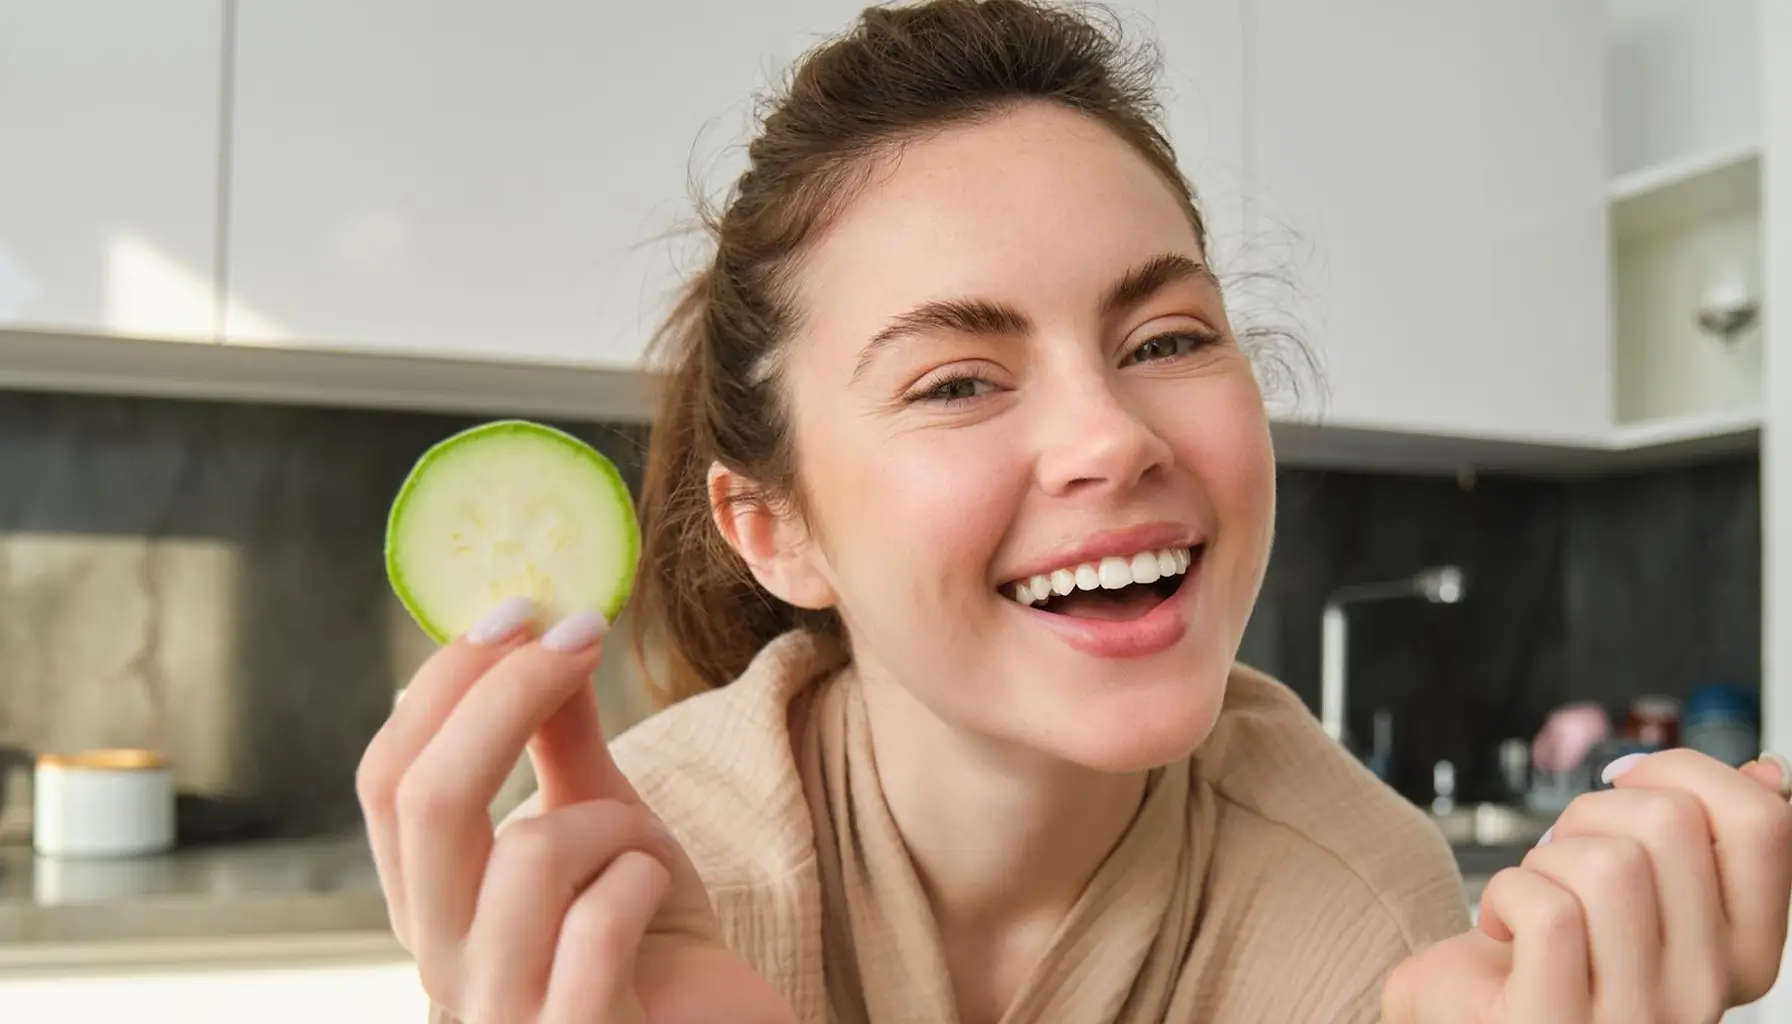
<point>1140,727</point>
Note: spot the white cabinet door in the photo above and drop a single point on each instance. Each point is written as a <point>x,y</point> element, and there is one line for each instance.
<point>498,180</point>
<point>485,179</point>
<point>110,126</point>
<point>1430,183</point>
<point>1683,80</point>
<point>380,993</point>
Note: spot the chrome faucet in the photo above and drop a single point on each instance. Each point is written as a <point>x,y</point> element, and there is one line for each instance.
<point>1440,585</point>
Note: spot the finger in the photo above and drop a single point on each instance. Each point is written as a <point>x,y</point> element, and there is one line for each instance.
<point>1551,977</point>
<point>1448,982</point>
<point>573,764</point>
<point>538,868</point>
<point>594,964</point>
<point>1751,830</point>
<point>434,690</point>
<point>572,759</point>
<point>1671,827</point>
<point>444,801</point>
<point>1614,881</point>
<point>1772,771</point>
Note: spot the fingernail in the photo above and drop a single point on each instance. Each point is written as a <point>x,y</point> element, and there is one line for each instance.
<point>505,618</point>
<point>1619,767</point>
<point>575,632</point>
<point>1547,834</point>
<point>1784,768</point>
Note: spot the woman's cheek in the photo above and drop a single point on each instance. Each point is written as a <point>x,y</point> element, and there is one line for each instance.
<point>950,497</point>
<point>1224,443</point>
<point>1219,429</point>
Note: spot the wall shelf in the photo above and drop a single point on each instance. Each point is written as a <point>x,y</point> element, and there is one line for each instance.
<point>1682,191</point>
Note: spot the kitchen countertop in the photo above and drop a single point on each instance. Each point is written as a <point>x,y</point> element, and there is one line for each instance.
<point>260,901</point>
<point>300,897</point>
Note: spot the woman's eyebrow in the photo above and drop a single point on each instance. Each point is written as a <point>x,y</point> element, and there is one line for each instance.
<point>958,316</point>
<point>1146,279</point>
<point>986,317</point>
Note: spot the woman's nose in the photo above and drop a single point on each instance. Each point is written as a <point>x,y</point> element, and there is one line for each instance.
<point>1094,441</point>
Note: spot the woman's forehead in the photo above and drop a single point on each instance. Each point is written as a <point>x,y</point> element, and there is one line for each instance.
<point>1039,205</point>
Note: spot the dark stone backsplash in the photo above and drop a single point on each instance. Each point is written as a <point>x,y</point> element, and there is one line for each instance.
<point>205,577</point>
<point>1603,589</point>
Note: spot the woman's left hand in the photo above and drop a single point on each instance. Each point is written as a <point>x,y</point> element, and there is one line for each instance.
<point>1663,899</point>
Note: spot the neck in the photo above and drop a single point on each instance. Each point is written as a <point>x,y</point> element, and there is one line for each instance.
<point>1003,839</point>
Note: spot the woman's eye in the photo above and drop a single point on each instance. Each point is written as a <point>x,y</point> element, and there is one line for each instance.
<point>955,389</point>
<point>1168,346</point>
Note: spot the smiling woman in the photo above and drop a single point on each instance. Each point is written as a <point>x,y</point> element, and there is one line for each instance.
<point>960,500</point>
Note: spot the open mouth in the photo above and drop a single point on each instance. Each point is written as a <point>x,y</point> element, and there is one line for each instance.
<point>1114,589</point>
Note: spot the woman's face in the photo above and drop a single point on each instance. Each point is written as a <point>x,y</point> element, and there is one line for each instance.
<point>1014,369</point>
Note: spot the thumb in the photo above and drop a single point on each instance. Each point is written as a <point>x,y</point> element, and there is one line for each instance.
<point>573,764</point>
<point>572,758</point>
<point>1456,981</point>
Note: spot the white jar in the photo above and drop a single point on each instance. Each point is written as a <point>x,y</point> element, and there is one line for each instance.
<point>103,803</point>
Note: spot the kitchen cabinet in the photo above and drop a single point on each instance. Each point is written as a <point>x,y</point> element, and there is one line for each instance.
<point>478,208</point>
<point>110,114</point>
<point>1684,138</point>
<point>484,180</point>
<point>351,993</point>
<point>1429,181</point>
<point>1683,81</point>
<point>498,180</point>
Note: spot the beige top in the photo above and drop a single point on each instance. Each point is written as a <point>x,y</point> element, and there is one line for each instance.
<point>1271,878</point>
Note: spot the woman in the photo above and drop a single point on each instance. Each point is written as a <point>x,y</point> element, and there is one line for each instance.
<point>959,502</point>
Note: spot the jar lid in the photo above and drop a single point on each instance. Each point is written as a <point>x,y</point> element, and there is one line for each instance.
<point>122,759</point>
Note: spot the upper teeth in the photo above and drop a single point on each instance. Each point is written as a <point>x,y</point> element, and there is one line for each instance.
<point>1110,573</point>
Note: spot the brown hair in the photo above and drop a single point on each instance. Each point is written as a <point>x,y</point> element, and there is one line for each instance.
<point>898,74</point>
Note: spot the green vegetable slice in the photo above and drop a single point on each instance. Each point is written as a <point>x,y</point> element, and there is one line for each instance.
<point>511,508</point>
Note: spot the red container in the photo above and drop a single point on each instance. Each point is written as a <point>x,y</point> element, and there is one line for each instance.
<point>1654,722</point>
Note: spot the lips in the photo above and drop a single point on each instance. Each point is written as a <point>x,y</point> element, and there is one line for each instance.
<point>1132,621</point>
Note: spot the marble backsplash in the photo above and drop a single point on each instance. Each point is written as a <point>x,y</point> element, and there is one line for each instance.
<point>205,578</point>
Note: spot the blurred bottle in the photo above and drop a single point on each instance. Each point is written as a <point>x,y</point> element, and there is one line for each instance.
<point>1381,751</point>
<point>1515,769</point>
<point>1723,720</point>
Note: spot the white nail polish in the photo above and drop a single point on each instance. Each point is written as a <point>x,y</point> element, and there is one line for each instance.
<point>505,618</point>
<point>1785,769</point>
<point>1619,767</point>
<point>575,632</point>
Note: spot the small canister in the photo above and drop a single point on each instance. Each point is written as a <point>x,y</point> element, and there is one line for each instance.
<point>1723,720</point>
<point>1654,723</point>
<point>103,803</point>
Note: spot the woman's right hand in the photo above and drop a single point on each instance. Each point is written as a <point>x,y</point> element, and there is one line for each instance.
<point>589,910</point>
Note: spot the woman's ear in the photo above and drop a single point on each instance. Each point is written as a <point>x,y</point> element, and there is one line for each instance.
<point>776,544</point>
